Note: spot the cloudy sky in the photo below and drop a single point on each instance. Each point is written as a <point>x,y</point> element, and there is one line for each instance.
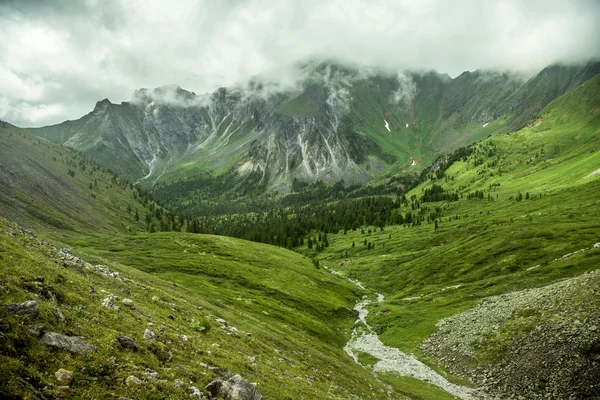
<point>57,58</point>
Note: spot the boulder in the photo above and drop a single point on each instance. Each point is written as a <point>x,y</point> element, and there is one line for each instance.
<point>73,344</point>
<point>127,343</point>
<point>234,388</point>
<point>28,309</point>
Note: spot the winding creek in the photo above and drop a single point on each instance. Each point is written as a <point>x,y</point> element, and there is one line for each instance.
<point>391,359</point>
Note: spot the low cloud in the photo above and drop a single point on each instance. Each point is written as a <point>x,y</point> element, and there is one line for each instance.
<point>58,58</point>
<point>407,90</point>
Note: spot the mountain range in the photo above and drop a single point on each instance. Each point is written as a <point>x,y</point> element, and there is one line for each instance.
<point>334,123</point>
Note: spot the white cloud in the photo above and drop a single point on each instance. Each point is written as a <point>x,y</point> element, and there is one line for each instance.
<point>66,55</point>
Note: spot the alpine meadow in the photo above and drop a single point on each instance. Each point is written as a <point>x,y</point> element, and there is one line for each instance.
<point>335,200</point>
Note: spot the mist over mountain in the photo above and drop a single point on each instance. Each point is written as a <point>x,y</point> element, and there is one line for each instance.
<point>335,123</point>
<point>57,59</point>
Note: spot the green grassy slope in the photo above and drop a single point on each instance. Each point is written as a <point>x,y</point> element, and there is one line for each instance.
<point>37,190</point>
<point>495,244</point>
<point>297,317</point>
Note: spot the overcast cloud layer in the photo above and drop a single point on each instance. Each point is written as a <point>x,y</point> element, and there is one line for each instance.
<point>57,58</point>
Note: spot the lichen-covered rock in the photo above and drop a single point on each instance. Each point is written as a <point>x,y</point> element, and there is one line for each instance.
<point>133,382</point>
<point>109,302</point>
<point>64,376</point>
<point>152,375</point>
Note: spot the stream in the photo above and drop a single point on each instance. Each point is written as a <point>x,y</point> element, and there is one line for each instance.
<point>390,358</point>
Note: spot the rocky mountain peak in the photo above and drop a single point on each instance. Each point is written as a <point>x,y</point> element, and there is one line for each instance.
<point>102,105</point>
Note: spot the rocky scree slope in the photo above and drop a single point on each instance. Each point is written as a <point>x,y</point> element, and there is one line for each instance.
<point>536,343</point>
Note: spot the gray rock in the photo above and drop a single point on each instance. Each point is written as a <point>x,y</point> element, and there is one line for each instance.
<point>151,374</point>
<point>181,367</point>
<point>234,388</point>
<point>127,302</point>
<point>110,301</point>
<point>195,392</point>
<point>73,344</point>
<point>183,338</point>
<point>28,308</point>
<point>127,343</point>
<point>60,317</point>
<point>149,335</point>
<point>222,322</point>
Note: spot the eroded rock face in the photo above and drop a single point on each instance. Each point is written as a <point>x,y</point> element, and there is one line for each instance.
<point>234,388</point>
<point>73,344</point>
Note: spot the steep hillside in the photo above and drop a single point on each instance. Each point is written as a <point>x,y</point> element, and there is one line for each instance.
<point>335,123</point>
<point>515,216</point>
<point>99,327</point>
<point>50,187</point>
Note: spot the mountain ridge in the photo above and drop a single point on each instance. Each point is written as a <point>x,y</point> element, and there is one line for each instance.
<point>337,123</point>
